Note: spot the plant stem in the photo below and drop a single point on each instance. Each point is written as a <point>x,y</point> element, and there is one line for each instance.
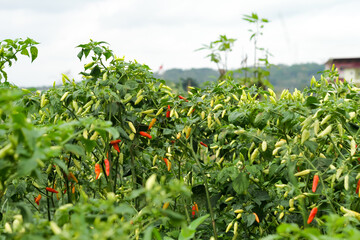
<point>48,207</point>
<point>206,187</point>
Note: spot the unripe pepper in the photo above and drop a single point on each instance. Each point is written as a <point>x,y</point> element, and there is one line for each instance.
<point>138,99</point>
<point>315,183</point>
<point>132,127</point>
<point>312,215</point>
<point>302,173</point>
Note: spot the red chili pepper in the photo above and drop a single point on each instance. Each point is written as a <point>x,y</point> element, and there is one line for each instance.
<point>181,97</point>
<point>115,144</point>
<point>256,218</point>
<point>193,211</point>
<point>312,215</point>
<point>203,144</point>
<point>315,183</point>
<point>168,112</point>
<point>51,190</point>
<point>64,191</point>
<point>97,170</point>
<point>357,187</point>
<point>107,167</point>
<point>145,134</point>
<point>37,199</point>
<point>152,123</point>
<point>172,141</point>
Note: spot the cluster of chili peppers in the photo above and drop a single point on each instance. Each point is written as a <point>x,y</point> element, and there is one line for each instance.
<point>195,209</point>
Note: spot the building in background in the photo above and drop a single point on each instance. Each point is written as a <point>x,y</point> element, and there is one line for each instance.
<point>349,68</point>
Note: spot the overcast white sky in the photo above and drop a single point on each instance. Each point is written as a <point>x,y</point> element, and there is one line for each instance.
<point>166,32</point>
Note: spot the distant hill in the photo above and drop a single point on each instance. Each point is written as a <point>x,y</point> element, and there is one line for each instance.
<point>281,76</point>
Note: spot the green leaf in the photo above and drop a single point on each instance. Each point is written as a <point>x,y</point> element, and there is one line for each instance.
<point>148,233</point>
<point>25,212</point>
<point>194,224</point>
<point>34,53</point>
<point>250,219</point>
<point>312,102</point>
<point>80,54</point>
<point>75,149</point>
<point>95,72</point>
<point>241,183</point>
<point>62,165</point>
<point>225,173</point>
<point>25,52</point>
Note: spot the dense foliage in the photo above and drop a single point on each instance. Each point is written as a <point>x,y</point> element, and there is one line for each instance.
<point>120,156</point>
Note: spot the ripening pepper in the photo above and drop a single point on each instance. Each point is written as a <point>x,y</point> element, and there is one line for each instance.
<point>315,183</point>
<point>107,167</point>
<point>166,205</point>
<point>168,163</point>
<point>312,215</point>
<point>152,123</point>
<point>71,175</point>
<point>115,144</point>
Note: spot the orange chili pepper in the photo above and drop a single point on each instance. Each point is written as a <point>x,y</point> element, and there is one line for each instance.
<point>256,218</point>
<point>196,207</point>
<point>71,175</point>
<point>166,205</point>
<point>107,167</point>
<point>145,134</point>
<point>315,183</point>
<point>312,215</point>
<point>97,170</point>
<point>152,123</point>
<point>37,199</point>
